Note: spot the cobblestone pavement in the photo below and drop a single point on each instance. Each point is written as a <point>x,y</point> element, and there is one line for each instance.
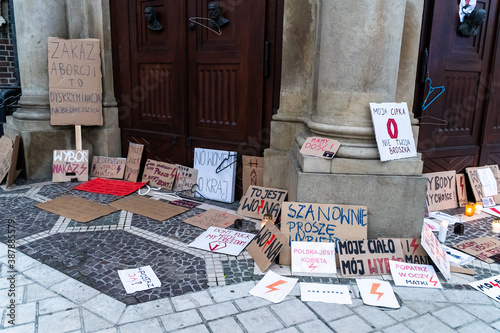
<point>66,280</point>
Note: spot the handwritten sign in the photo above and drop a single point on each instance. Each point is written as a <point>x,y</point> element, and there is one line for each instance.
<point>216,173</point>
<point>6,151</point>
<point>313,258</point>
<point>326,293</point>
<point>253,171</point>
<point>413,251</point>
<point>320,147</point>
<point>222,241</point>
<point>489,286</point>
<point>482,248</point>
<point>414,275</point>
<point>393,131</point>
<point>75,88</point>
<point>266,246</point>
<point>212,218</point>
<point>441,190</point>
<point>273,287</point>
<point>159,174</point>
<point>185,203</point>
<point>186,180</point>
<point>312,222</point>
<point>368,257</point>
<point>108,167</point>
<point>377,293</point>
<point>68,164</point>
<point>461,190</point>
<point>259,201</point>
<point>137,279</point>
<point>434,249</point>
<point>475,181</point>
<point>133,164</point>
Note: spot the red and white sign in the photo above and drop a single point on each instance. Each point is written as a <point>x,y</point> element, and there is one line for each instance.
<point>434,249</point>
<point>137,279</point>
<point>414,275</point>
<point>461,190</point>
<point>393,131</point>
<point>489,286</point>
<point>377,293</point>
<point>313,258</point>
<point>273,287</point>
<point>320,147</point>
<point>222,241</point>
<point>68,164</point>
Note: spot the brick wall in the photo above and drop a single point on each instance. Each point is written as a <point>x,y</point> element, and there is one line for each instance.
<point>7,53</point>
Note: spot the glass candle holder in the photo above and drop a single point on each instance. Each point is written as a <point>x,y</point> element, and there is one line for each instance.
<point>495,226</point>
<point>265,219</point>
<point>470,207</point>
<point>478,208</point>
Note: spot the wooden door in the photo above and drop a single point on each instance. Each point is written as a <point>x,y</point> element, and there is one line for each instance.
<point>452,127</point>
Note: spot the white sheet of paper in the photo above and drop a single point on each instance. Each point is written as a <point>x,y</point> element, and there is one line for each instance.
<point>377,293</point>
<point>326,293</point>
<point>313,258</point>
<point>414,275</point>
<point>222,241</point>
<point>137,279</point>
<point>458,257</point>
<point>489,287</point>
<point>273,287</point>
<point>488,181</point>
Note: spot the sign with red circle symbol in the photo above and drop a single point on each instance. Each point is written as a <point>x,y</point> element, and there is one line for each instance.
<point>392,128</point>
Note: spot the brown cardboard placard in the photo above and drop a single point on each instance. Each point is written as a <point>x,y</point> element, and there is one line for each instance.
<point>133,164</point>
<point>320,147</point>
<point>313,222</point>
<point>368,257</point>
<point>212,218</point>
<point>441,190</point>
<point>461,190</point>
<point>475,182</point>
<point>185,180</point>
<point>76,208</point>
<point>75,87</point>
<point>68,164</point>
<point>413,251</point>
<point>159,174</point>
<point>482,248</point>
<point>266,246</point>
<point>259,201</point>
<point>253,171</point>
<point>6,152</point>
<point>155,209</point>
<point>108,167</point>
<point>13,173</point>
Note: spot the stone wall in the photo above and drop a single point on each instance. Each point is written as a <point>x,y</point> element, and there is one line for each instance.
<point>8,74</point>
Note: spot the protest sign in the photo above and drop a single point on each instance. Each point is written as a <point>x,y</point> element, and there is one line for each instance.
<point>185,203</point>
<point>368,257</point>
<point>414,275</point>
<point>435,251</point>
<point>393,131</point>
<point>75,88</point>
<point>489,286</point>
<point>76,208</point>
<point>495,211</point>
<point>266,246</point>
<point>186,180</point>
<point>377,293</point>
<point>222,241</point>
<point>482,248</point>
<point>313,258</point>
<point>253,171</point>
<point>212,218</point>
<point>461,190</point>
<point>259,201</point>
<point>312,222</point>
<point>159,174</point>
<point>154,209</point>
<point>326,293</point>
<point>320,147</point>
<point>109,186</point>
<point>68,164</point>
<point>458,257</point>
<point>133,164</point>
<point>137,279</point>
<point>273,287</point>
<point>108,167</point>
<point>413,251</point>
<point>216,173</point>
<point>477,186</point>
<point>6,151</point>
<point>441,190</point>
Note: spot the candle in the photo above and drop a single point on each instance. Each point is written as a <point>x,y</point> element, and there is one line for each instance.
<point>495,226</point>
<point>470,207</point>
<point>265,219</point>
<point>478,208</point>
<point>443,229</point>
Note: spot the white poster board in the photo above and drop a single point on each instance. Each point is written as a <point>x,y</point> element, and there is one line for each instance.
<point>313,258</point>
<point>434,249</point>
<point>488,181</point>
<point>393,131</point>
<point>326,293</point>
<point>414,275</point>
<point>222,241</point>
<point>377,293</point>
<point>489,286</point>
<point>137,279</point>
<point>273,287</point>
<point>216,173</point>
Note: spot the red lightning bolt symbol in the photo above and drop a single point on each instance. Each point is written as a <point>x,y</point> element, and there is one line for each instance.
<point>312,267</point>
<point>462,184</point>
<point>435,282</point>
<point>172,175</point>
<point>374,290</point>
<point>260,207</point>
<point>269,242</point>
<point>414,245</point>
<point>273,285</point>
<point>118,169</point>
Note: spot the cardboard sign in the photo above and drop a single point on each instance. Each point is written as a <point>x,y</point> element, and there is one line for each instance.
<point>133,164</point>
<point>222,241</point>
<point>413,275</point>
<point>109,186</point>
<point>212,218</point>
<point>108,167</point>
<point>461,190</point>
<point>6,151</point>
<point>441,190</point>
<point>326,293</point>
<point>458,257</point>
<point>185,203</point>
<point>482,248</point>
<point>434,249</point>
<point>413,251</point>
<point>137,279</point>
<point>154,209</point>
<point>13,173</point>
<point>320,147</point>
<point>489,286</point>
<point>159,174</point>
<point>259,201</point>
<point>266,246</point>
<point>313,258</point>
<point>75,88</point>
<point>273,287</point>
<point>477,186</point>
<point>76,208</point>
<point>312,222</point>
<point>186,180</point>
<point>377,293</point>
<point>68,164</point>
<point>216,173</point>
<point>393,131</point>
<point>368,257</point>
<point>253,172</point>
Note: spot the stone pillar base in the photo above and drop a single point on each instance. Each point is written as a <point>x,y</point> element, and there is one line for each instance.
<point>396,204</point>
